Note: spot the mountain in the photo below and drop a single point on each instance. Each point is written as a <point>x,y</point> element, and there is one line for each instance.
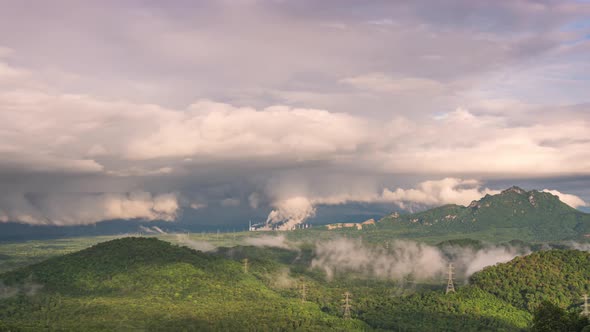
<point>513,214</point>
<point>504,295</point>
<point>560,276</point>
<point>148,284</point>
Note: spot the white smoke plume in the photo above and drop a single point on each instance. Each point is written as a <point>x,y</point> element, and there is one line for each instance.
<point>159,230</point>
<point>405,259</point>
<point>254,200</point>
<point>203,246</point>
<point>290,212</point>
<point>152,230</point>
<point>278,241</point>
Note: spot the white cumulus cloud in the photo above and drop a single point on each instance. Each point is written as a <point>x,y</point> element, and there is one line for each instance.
<point>569,199</point>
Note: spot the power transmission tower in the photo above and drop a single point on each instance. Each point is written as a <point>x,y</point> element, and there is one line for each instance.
<point>450,284</point>
<point>245,265</point>
<point>585,311</point>
<point>303,290</point>
<point>346,306</point>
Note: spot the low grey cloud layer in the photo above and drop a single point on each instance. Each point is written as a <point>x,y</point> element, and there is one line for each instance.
<point>83,209</point>
<point>286,106</point>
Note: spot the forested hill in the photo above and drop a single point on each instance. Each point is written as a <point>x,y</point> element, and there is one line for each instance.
<point>148,284</point>
<point>560,276</point>
<point>512,214</point>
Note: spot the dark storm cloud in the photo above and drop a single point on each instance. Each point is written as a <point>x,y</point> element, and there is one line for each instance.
<point>145,109</point>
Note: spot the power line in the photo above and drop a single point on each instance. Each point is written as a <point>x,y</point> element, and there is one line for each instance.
<point>450,284</point>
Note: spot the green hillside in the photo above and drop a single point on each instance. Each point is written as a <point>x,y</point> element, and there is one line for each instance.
<point>559,276</point>
<point>512,214</point>
<point>152,285</point>
<point>148,284</point>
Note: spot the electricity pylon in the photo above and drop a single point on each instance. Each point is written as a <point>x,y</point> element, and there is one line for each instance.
<point>303,290</point>
<point>245,265</point>
<point>585,311</point>
<point>346,306</point>
<point>450,284</point>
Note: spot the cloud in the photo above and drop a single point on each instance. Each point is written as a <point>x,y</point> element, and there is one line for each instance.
<point>197,205</point>
<point>579,246</point>
<point>7,292</point>
<point>294,210</point>
<point>85,209</point>
<point>28,288</point>
<point>217,130</point>
<point>278,241</point>
<point>230,202</point>
<point>421,261</point>
<point>138,171</point>
<point>203,246</point>
<point>469,260</point>
<point>46,131</point>
<point>463,142</point>
<point>569,199</point>
<point>401,259</point>
<point>381,83</point>
<point>439,192</point>
<point>166,108</point>
<point>254,200</point>
<point>5,51</point>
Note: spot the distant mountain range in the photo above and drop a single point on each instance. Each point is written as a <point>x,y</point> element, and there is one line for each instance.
<point>513,214</point>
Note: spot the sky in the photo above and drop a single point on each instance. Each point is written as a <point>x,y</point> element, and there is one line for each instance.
<point>214,112</point>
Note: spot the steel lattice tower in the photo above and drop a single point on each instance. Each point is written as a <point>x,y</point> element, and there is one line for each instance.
<point>346,306</point>
<point>450,284</point>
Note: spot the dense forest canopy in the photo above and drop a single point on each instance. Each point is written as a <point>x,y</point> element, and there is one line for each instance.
<point>146,283</point>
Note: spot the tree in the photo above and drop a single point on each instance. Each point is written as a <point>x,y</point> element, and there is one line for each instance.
<point>549,318</point>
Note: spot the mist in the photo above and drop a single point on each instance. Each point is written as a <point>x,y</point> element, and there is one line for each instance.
<point>203,246</point>
<point>407,259</point>
<point>29,288</point>
<point>278,241</point>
